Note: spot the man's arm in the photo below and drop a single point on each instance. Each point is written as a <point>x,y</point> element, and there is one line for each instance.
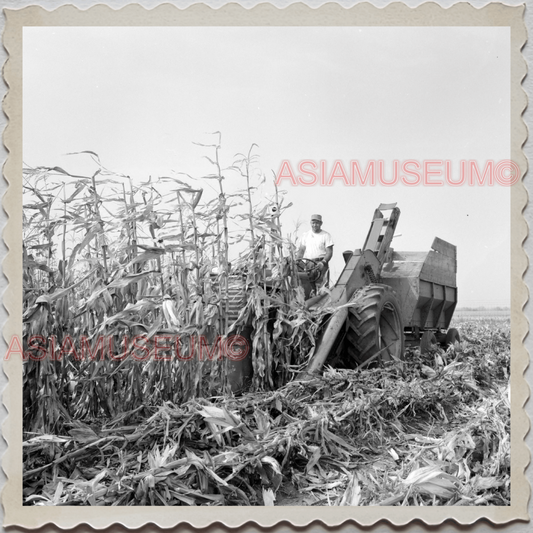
<point>329,254</point>
<point>324,262</point>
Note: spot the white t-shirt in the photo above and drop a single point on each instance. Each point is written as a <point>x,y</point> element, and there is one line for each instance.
<point>316,244</point>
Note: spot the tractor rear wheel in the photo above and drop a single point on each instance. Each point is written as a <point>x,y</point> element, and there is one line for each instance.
<point>374,326</point>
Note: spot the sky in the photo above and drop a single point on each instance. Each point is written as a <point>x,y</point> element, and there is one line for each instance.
<point>141,97</point>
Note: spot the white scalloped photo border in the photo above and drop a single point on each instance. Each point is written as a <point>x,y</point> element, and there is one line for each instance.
<point>396,14</point>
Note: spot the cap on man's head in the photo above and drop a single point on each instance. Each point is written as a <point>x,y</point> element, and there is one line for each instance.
<point>316,217</point>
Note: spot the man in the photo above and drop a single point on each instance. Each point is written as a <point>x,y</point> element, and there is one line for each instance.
<point>317,245</point>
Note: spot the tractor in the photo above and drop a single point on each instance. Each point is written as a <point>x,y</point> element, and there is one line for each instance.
<point>382,301</point>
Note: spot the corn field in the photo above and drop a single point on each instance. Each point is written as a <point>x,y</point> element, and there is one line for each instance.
<point>432,430</point>
<point>107,259</point>
<point>111,417</point>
